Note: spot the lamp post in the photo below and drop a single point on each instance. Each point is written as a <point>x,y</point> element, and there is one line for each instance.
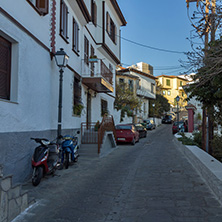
<point>177,99</point>
<point>61,59</point>
<point>153,112</point>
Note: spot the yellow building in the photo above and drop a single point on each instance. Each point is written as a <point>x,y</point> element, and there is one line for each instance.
<point>171,87</point>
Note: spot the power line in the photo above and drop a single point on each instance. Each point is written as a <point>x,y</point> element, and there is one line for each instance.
<point>151,47</point>
<point>146,46</point>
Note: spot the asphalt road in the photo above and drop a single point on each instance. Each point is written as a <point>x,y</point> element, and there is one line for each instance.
<point>149,182</point>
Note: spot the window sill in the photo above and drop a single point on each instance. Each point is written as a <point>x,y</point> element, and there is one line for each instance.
<point>75,52</point>
<point>36,9</point>
<point>8,101</point>
<point>64,38</point>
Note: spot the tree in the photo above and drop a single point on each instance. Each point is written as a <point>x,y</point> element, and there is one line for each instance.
<point>205,60</point>
<point>126,100</point>
<point>161,106</point>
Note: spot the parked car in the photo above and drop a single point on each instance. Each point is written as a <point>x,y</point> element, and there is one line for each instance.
<point>141,129</point>
<point>168,119</point>
<point>127,133</point>
<point>179,126</point>
<point>149,124</point>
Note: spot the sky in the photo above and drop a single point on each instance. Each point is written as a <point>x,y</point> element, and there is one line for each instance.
<point>162,24</point>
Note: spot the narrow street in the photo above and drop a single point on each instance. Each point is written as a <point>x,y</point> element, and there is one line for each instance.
<point>148,182</point>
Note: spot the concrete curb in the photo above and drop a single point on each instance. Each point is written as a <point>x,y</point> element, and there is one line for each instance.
<point>207,166</point>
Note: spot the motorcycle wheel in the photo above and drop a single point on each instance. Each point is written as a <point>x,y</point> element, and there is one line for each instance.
<point>66,160</point>
<point>37,176</point>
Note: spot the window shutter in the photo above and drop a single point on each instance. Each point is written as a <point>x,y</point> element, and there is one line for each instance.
<point>95,14</point>
<point>107,22</point>
<point>43,6</point>
<point>115,35</point>
<point>5,68</point>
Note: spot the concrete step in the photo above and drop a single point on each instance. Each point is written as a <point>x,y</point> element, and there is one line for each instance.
<point>88,150</point>
<point>90,136</point>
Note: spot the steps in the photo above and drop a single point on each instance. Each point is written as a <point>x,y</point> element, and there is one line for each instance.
<point>88,150</point>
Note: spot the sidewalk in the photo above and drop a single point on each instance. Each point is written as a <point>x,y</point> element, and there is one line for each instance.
<point>207,166</point>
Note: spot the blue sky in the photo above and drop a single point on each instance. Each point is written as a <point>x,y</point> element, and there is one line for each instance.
<point>157,23</point>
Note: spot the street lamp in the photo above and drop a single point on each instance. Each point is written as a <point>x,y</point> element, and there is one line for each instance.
<point>177,99</point>
<point>61,59</point>
<point>153,112</point>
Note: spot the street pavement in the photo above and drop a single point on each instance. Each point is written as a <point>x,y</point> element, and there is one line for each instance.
<point>149,182</point>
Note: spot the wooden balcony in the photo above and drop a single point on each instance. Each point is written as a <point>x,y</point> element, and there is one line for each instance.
<point>97,76</point>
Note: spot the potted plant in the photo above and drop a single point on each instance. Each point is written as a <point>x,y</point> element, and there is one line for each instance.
<point>93,59</point>
<point>77,109</point>
<point>96,128</point>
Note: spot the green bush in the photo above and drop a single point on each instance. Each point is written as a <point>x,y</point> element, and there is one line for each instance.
<point>187,141</point>
<point>217,147</point>
<point>198,139</point>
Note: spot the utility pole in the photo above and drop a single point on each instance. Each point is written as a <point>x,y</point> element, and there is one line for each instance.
<point>211,109</point>
<point>206,143</point>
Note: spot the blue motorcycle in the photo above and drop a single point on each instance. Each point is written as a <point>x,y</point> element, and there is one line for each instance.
<point>69,150</point>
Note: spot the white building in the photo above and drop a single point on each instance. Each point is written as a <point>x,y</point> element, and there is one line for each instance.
<point>31,32</point>
<point>145,86</point>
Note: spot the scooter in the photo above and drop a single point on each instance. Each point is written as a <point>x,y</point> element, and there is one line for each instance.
<point>44,159</point>
<point>69,150</point>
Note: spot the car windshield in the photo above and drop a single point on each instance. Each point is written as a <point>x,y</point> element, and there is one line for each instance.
<point>124,127</point>
<point>177,123</point>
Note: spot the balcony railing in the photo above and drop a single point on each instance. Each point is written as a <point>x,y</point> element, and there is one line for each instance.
<point>97,69</point>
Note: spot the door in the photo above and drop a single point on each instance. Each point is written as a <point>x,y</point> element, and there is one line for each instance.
<point>89,106</point>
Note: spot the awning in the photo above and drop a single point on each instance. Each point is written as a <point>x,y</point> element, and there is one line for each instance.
<point>98,84</point>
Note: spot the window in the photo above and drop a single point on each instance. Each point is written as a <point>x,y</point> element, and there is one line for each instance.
<point>111,68</point>
<point>181,83</point>
<point>182,94</point>
<point>111,28</point>
<point>104,107</point>
<point>164,92</point>
<point>75,36</point>
<point>86,50</point>
<point>64,21</point>
<point>131,85</point>
<point>121,81</point>
<point>77,95</point>
<point>94,13</point>
<point>138,84</point>
<point>41,6</point>
<point>92,64</point>
<point>168,82</point>
<point>152,88</point>
<point>168,93</point>
<point>5,68</point>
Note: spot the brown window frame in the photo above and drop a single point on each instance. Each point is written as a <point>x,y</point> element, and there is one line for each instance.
<point>64,21</point>
<point>104,107</point>
<point>111,28</point>
<point>86,50</point>
<point>41,6</point>
<point>75,36</point>
<point>94,13</point>
<point>92,65</point>
<point>5,69</point>
<point>77,95</point>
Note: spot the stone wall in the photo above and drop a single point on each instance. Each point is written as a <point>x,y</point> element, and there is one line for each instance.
<point>13,200</point>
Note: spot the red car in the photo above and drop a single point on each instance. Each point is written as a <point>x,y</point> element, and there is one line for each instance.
<point>179,126</point>
<point>127,133</point>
